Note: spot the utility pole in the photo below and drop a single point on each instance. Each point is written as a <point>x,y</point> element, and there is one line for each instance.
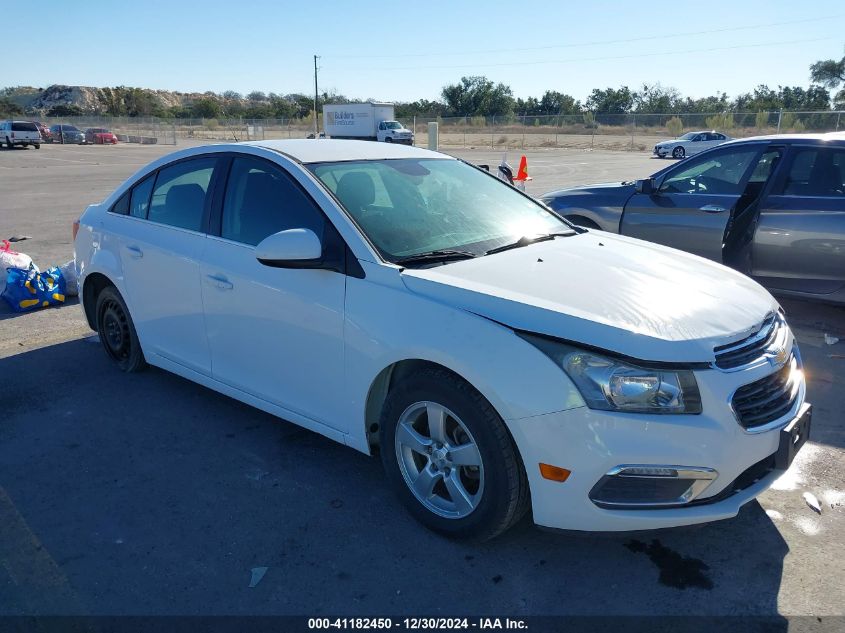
<point>316,129</point>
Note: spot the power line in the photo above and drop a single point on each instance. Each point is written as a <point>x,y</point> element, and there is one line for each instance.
<point>604,58</point>
<point>599,42</point>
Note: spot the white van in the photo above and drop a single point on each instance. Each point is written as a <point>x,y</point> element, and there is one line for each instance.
<point>21,133</point>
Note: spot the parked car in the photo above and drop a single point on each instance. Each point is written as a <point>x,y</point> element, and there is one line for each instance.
<point>388,296</point>
<point>689,144</point>
<point>46,135</point>
<point>20,134</point>
<point>100,136</point>
<point>63,133</point>
<point>773,207</point>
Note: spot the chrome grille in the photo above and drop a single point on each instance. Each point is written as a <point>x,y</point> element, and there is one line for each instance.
<point>769,398</point>
<point>772,335</point>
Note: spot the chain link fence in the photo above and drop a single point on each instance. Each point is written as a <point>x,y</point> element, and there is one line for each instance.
<point>637,132</point>
<point>614,131</point>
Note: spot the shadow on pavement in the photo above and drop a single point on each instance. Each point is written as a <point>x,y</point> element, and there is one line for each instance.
<point>148,494</point>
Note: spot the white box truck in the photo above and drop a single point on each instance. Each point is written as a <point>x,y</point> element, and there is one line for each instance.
<point>365,121</point>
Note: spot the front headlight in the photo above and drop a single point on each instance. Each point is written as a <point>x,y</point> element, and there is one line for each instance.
<point>614,385</point>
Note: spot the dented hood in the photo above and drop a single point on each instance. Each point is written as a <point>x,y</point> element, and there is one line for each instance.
<point>631,297</point>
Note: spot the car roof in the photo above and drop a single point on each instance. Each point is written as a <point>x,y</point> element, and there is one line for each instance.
<point>791,138</point>
<point>336,150</point>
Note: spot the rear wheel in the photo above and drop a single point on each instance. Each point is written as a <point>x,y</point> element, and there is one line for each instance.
<point>678,152</point>
<point>117,332</point>
<point>449,457</point>
<point>37,146</point>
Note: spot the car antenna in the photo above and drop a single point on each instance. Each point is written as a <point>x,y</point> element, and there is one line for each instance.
<point>228,125</point>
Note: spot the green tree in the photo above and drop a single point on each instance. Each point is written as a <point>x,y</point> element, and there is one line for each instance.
<point>206,109</point>
<point>9,108</point>
<point>828,72</point>
<point>478,96</point>
<point>64,110</point>
<point>610,101</point>
<point>553,102</point>
<point>655,99</point>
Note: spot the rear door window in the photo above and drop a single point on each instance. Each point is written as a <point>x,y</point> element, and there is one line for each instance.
<point>140,201</point>
<point>180,192</point>
<point>23,126</point>
<point>816,172</point>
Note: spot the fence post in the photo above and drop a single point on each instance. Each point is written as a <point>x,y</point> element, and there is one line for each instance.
<point>633,128</point>
<point>466,122</point>
<point>523,131</point>
<point>492,131</point>
<point>414,132</point>
<point>780,116</point>
<point>838,115</point>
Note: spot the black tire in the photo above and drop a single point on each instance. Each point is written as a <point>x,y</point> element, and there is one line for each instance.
<point>9,143</point>
<point>117,332</point>
<point>37,146</point>
<point>679,152</point>
<point>388,140</point>
<point>505,496</point>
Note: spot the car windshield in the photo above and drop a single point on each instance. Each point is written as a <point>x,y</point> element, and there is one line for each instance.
<point>393,125</point>
<point>98,130</point>
<point>688,136</point>
<point>69,128</point>
<point>411,206</point>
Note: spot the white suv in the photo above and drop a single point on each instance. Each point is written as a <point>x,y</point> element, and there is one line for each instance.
<point>20,133</point>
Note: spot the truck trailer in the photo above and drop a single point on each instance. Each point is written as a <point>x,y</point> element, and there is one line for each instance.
<point>365,121</point>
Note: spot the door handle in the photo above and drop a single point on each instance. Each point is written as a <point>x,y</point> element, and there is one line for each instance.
<point>713,208</point>
<point>135,252</point>
<point>219,282</point>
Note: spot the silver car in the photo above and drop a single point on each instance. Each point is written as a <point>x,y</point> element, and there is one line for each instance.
<point>772,207</point>
<point>689,144</point>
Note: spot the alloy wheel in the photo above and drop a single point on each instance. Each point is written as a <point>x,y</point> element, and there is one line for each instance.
<point>439,460</point>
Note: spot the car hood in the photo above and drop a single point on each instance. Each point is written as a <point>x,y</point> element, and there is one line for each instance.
<point>608,192</point>
<point>672,141</point>
<point>627,296</point>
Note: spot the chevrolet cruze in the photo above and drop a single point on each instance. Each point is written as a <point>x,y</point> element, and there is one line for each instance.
<point>406,303</point>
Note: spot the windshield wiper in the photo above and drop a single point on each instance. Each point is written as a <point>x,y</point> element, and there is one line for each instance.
<point>526,240</point>
<point>444,255</point>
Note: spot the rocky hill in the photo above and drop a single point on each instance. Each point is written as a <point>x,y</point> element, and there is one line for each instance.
<point>91,100</point>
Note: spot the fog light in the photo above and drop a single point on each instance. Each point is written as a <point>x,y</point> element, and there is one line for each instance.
<point>644,486</point>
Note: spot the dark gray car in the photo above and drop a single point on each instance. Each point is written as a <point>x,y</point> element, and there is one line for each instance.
<point>772,207</point>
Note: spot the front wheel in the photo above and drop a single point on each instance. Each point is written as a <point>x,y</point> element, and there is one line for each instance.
<point>117,332</point>
<point>678,152</point>
<point>449,457</point>
<point>388,140</point>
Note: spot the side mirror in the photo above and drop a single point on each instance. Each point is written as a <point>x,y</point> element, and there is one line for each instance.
<point>645,186</point>
<point>294,248</point>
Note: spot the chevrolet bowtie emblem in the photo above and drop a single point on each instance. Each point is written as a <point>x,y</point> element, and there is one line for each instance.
<point>777,357</point>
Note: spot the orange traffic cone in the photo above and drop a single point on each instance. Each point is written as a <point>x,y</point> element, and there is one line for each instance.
<point>522,172</point>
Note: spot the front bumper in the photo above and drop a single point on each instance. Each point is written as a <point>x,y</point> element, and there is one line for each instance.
<point>660,152</point>
<point>590,443</point>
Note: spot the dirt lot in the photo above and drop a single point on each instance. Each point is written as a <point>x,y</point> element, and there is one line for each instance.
<point>147,494</point>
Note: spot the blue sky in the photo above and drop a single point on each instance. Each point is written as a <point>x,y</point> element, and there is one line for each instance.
<point>402,51</point>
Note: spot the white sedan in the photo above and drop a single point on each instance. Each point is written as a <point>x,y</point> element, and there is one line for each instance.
<point>498,359</point>
<point>689,144</point>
